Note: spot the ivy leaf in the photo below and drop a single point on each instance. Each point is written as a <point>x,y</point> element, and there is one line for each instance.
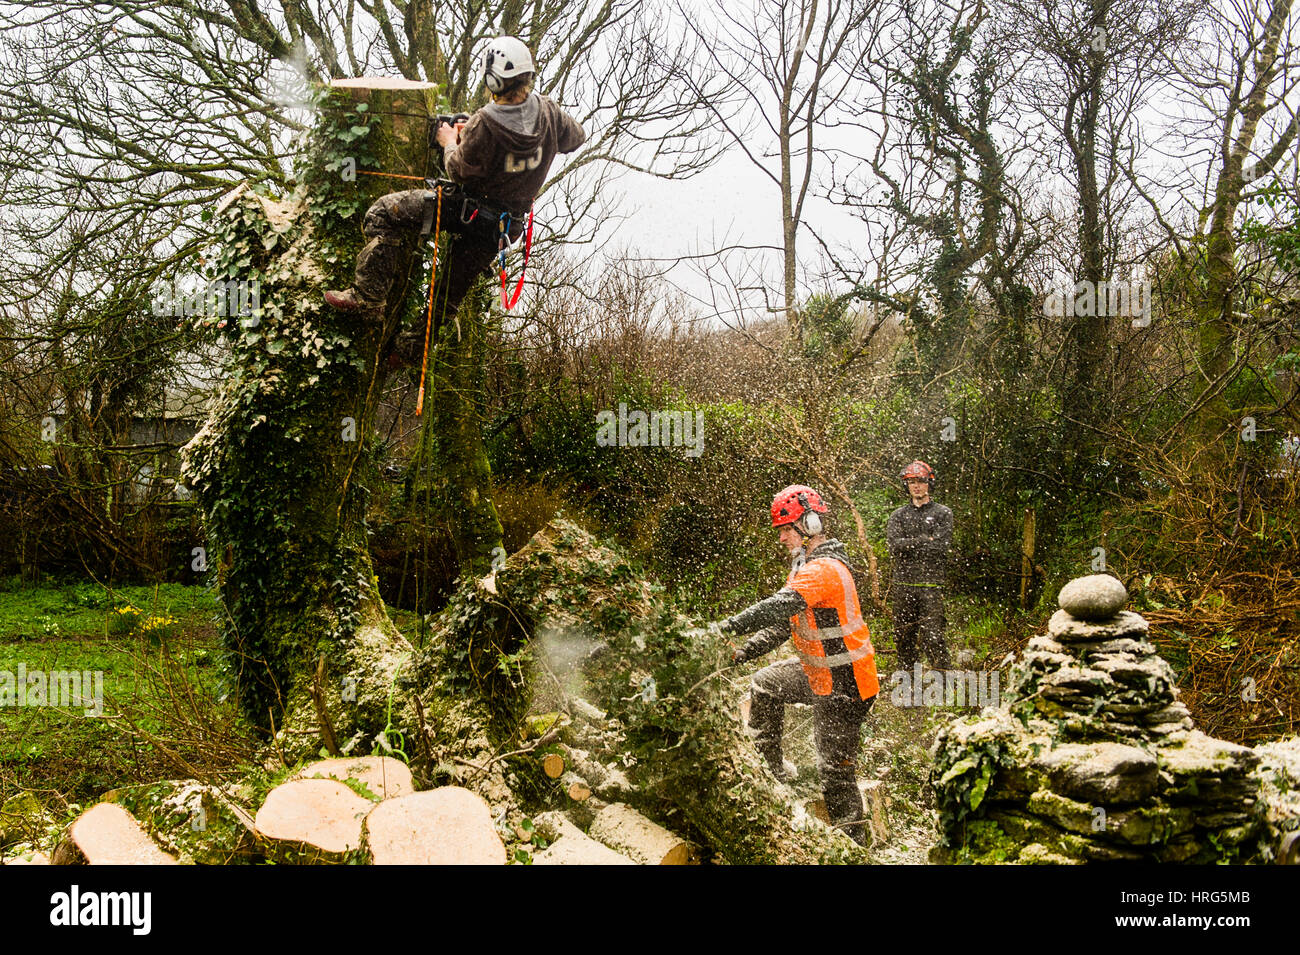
<point>978,787</point>
<point>956,770</point>
<point>275,346</point>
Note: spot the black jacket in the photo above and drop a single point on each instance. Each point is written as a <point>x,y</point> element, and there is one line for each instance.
<point>919,539</point>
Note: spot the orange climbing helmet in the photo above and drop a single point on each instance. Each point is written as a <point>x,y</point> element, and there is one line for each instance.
<point>918,469</point>
<point>790,505</point>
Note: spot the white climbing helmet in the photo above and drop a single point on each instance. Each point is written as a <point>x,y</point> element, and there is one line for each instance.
<point>503,62</point>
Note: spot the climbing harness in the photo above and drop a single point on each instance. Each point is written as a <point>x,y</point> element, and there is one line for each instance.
<point>432,224</point>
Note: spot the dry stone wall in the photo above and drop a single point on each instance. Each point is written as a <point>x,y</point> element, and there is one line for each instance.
<point>1092,757</point>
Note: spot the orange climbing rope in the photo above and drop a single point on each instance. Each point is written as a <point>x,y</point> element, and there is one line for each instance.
<point>428,322</point>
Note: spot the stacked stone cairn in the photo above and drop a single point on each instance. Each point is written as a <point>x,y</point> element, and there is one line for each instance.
<point>1092,757</point>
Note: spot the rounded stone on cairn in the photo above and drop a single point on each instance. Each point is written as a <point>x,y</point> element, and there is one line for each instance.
<point>1095,597</point>
<point>312,820</point>
<point>444,826</point>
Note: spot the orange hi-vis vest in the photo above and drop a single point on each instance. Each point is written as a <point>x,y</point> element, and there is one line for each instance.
<point>841,640</point>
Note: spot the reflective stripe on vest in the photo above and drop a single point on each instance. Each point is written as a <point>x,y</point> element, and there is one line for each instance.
<point>838,659</point>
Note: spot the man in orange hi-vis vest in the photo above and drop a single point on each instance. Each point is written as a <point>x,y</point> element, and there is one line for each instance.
<point>836,671</point>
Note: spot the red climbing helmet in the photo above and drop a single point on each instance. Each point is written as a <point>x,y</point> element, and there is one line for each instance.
<point>790,504</point>
<point>918,469</point>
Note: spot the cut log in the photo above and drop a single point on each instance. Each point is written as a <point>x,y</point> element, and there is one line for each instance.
<point>108,835</point>
<point>622,828</point>
<point>308,821</point>
<point>553,765</point>
<point>575,787</point>
<point>571,846</point>
<point>197,823</point>
<point>384,776</point>
<point>381,83</point>
<point>445,826</point>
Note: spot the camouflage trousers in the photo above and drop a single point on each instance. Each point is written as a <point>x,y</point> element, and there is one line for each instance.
<point>472,247</point>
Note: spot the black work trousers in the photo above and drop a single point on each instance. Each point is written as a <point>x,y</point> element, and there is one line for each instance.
<point>837,727</point>
<point>919,625</point>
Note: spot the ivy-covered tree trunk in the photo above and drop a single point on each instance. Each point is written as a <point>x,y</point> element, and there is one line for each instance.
<point>283,465</point>
<point>452,440</point>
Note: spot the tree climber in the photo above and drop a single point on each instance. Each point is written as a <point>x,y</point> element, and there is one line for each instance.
<point>499,161</point>
<point>919,535</point>
<point>818,610</point>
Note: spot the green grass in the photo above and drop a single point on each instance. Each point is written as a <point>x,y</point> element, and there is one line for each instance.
<point>62,752</point>
<point>82,609</point>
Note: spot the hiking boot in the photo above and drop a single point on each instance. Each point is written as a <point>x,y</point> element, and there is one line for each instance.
<point>787,772</point>
<point>784,770</point>
<point>347,301</point>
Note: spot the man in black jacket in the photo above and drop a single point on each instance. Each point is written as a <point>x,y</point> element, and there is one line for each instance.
<point>500,159</point>
<point>919,535</point>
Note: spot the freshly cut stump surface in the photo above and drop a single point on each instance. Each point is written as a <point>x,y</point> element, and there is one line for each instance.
<point>320,817</point>
<point>107,834</point>
<point>445,826</point>
<point>384,776</point>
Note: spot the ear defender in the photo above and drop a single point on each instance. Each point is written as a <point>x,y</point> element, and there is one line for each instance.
<point>812,521</point>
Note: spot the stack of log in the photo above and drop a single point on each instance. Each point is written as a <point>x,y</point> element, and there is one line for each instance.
<point>339,811</point>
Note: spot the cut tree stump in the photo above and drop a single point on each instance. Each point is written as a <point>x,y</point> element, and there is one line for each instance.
<point>384,776</point>
<point>34,858</point>
<point>445,826</point>
<point>312,821</point>
<point>108,835</point>
<point>875,800</point>
<point>622,828</point>
<point>571,846</point>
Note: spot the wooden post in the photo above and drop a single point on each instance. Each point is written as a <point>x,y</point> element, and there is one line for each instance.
<point>1026,558</point>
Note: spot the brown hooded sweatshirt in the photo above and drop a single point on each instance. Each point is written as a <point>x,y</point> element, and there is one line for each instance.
<point>502,165</point>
